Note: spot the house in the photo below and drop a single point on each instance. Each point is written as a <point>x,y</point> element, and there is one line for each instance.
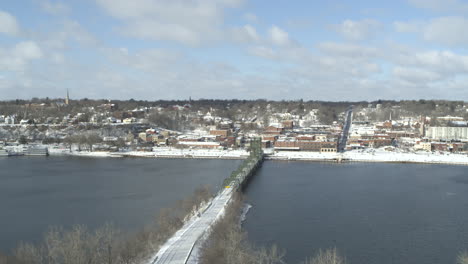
<point>273,130</point>
<point>111,119</point>
<point>10,120</point>
<point>221,132</point>
<point>426,146</point>
<point>129,120</point>
<point>288,124</point>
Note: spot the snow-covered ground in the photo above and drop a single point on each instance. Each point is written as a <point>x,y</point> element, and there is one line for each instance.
<point>200,153</point>
<point>374,155</point>
<point>157,153</point>
<point>368,155</point>
<point>302,155</point>
<point>378,155</point>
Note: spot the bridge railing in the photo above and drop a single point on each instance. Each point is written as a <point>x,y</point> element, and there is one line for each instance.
<point>238,176</point>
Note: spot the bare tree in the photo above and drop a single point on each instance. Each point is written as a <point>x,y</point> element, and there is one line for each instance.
<point>329,256</point>
<point>462,258</point>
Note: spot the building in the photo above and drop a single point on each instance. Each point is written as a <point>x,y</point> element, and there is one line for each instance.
<point>288,124</point>
<point>220,132</point>
<point>10,120</point>
<point>426,146</point>
<point>67,100</point>
<point>272,130</point>
<point>200,145</point>
<point>447,133</point>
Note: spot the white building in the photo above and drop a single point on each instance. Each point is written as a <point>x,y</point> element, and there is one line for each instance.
<point>10,120</point>
<point>448,133</point>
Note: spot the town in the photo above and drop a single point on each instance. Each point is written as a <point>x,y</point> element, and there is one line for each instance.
<point>225,128</point>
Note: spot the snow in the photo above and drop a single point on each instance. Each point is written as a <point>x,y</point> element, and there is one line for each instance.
<point>368,155</point>
<point>379,155</point>
<point>157,153</point>
<point>374,155</point>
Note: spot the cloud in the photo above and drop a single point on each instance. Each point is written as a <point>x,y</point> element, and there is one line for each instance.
<point>246,34</point>
<point>8,24</point>
<point>358,30</point>
<point>263,52</point>
<point>278,36</point>
<point>188,22</point>
<point>55,8</point>
<point>416,75</point>
<point>17,57</point>
<point>348,50</point>
<point>447,31</point>
<point>442,30</point>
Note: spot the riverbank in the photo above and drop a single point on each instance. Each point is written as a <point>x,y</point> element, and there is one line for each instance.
<point>157,153</point>
<point>374,155</point>
<point>370,155</point>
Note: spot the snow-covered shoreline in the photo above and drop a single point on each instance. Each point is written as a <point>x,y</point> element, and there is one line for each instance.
<point>157,153</point>
<point>349,156</point>
<point>374,156</point>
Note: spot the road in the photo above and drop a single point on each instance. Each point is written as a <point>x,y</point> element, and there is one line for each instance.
<point>177,250</point>
<point>346,127</point>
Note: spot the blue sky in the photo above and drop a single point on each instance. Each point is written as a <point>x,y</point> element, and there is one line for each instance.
<point>173,49</point>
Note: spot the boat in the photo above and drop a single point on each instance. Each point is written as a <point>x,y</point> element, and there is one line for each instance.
<point>36,151</point>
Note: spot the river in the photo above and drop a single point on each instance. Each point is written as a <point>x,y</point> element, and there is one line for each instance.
<point>372,213</point>
<point>38,192</point>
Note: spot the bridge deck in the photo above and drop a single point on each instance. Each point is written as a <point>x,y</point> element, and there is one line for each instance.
<point>177,250</point>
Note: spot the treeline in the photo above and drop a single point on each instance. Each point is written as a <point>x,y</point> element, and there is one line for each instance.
<point>107,245</point>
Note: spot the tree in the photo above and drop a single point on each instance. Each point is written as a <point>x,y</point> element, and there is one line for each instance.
<point>462,258</point>
<point>92,139</point>
<point>329,256</point>
<point>23,140</point>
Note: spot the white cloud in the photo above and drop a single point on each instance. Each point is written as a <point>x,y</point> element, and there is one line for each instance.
<point>447,30</point>
<point>416,75</point>
<point>55,8</point>
<point>8,24</point>
<point>442,30</point>
<point>246,34</point>
<point>358,29</point>
<point>188,22</point>
<point>444,62</point>
<point>348,50</point>
<point>17,58</point>
<point>278,36</point>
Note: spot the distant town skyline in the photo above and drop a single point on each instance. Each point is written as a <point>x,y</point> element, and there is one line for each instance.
<point>225,49</point>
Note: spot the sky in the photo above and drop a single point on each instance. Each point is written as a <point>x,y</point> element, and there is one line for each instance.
<point>224,49</point>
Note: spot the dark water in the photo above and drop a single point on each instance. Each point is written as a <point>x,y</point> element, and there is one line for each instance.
<point>372,213</point>
<point>38,192</point>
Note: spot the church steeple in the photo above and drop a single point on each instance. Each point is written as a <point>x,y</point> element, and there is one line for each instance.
<point>67,100</point>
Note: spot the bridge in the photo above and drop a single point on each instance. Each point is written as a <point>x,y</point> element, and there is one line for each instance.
<point>179,248</point>
<point>347,125</point>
